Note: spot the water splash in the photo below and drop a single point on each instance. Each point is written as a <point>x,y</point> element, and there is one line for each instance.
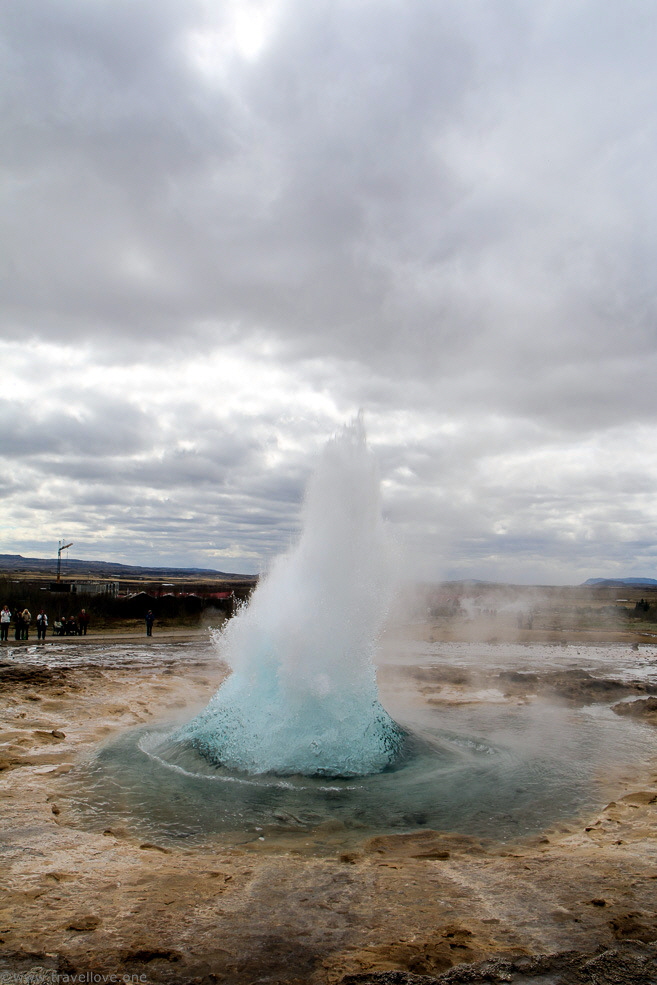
<point>302,696</point>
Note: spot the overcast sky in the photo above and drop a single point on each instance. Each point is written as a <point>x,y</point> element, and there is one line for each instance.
<point>227,226</point>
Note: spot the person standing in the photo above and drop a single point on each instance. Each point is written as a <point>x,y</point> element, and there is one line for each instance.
<point>42,625</point>
<point>150,619</point>
<point>5,619</point>
<point>83,622</point>
<point>26,617</point>
<point>18,624</point>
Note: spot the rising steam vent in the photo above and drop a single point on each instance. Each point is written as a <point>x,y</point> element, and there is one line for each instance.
<point>302,696</point>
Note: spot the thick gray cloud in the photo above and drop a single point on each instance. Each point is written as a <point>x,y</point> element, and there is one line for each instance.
<point>227,227</point>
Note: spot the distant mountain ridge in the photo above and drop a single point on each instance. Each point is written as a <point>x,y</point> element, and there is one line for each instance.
<point>621,581</point>
<point>107,569</point>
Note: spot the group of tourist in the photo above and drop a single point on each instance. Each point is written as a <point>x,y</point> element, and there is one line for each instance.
<point>22,619</point>
<point>71,625</point>
<point>64,626</point>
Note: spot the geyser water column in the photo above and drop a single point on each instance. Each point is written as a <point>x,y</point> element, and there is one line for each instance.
<point>302,696</point>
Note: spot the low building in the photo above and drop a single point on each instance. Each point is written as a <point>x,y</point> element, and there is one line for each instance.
<point>109,588</point>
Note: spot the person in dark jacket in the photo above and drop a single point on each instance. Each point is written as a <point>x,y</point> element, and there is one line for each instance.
<point>83,622</point>
<point>150,619</point>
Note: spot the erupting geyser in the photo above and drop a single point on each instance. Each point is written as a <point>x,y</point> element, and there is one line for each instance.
<point>302,696</point>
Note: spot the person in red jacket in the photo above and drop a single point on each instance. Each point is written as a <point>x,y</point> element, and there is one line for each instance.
<point>83,622</point>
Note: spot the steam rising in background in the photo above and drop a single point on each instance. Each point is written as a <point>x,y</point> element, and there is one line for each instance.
<point>302,696</point>
<point>224,230</point>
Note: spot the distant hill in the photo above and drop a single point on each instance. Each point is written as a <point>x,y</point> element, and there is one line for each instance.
<point>636,582</point>
<point>107,569</point>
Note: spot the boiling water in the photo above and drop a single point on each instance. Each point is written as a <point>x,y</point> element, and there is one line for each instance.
<point>490,768</point>
<point>296,739</point>
<point>302,696</point>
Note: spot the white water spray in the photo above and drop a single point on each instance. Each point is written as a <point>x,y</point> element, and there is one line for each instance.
<point>302,696</point>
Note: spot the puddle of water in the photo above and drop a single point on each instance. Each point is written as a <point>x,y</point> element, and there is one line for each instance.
<point>491,770</point>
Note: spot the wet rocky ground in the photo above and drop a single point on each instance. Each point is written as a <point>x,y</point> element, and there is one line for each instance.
<point>444,683</point>
<point>573,904</point>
